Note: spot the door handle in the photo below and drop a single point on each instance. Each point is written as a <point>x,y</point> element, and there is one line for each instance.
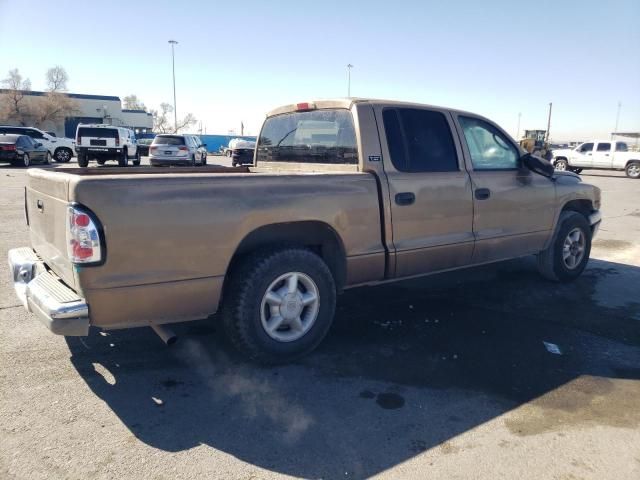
<point>482,193</point>
<point>405,198</point>
<point>39,204</point>
<point>606,154</point>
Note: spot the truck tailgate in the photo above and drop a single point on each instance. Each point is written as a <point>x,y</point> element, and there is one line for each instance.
<point>47,196</point>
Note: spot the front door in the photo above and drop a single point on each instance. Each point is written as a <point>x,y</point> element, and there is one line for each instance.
<point>602,155</point>
<point>430,190</point>
<point>583,156</point>
<point>513,207</point>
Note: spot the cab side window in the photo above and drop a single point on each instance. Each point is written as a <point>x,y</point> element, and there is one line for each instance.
<point>419,140</point>
<point>586,147</point>
<point>621,147</point>
<point>604,147</point>
<point>488,147</point>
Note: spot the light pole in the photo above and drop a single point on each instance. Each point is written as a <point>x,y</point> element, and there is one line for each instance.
<point>549,122</point>
<point>173,67</point>
<point>617,120</point>
<point>518,129</point>
<point>349,67</point>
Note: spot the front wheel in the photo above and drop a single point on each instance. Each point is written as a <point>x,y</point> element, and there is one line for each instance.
<point>63,155</point>
<point>561,165</point>
<point>567,256</point>
<point>633,170</point>
<point>26,160</point>
<point>136,160</point>
<point>48,159</point>
<point>279,304</point>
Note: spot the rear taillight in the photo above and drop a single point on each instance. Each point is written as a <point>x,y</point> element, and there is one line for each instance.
<point>117,140</point>
<point>153,149</point>
<point>183,148</point>
<point>83,237</point>
<point>9,148</point>
<point>78,138</point>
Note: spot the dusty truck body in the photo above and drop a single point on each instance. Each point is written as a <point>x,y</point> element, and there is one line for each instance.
<point>344,193</point>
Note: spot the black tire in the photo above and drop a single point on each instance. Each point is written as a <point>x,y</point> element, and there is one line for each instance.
<point>83,160</point>
<point>234,164</point>
<point>633,170</point>
<point>48,160</point>
<point>101,162</point>
<point>63,155</point>
<point>26,160</point>
<point>204,159</point>
<point>193,160</point>
<point>248,283</point>
<point>576,170</point>
<point>551,263</point>
<point>136,160</point>
<point>123,161</point>
<point>561,164</point>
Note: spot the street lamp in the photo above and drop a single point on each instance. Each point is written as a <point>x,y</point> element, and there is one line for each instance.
<point>615,132</point>
<point>173,67</point>
<point>349,67</point>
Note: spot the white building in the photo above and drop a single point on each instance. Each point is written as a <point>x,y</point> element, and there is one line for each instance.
<point>96,109</point>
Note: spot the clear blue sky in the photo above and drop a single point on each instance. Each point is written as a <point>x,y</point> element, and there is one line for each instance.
<point>237,60</point>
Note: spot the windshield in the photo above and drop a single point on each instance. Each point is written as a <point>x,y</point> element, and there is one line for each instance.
<point>318,136</point>
<point>97,132</point>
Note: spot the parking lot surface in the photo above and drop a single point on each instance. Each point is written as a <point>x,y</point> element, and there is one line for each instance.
<point>485,373</point>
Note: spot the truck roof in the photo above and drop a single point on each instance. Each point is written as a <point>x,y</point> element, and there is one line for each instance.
<point>347,102</point>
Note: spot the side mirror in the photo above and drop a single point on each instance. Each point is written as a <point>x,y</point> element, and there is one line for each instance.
<point>203,145</point>
<point>38,144</point>
<point>538,165</point>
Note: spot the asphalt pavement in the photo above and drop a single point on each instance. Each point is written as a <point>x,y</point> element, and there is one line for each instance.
<point>485,373</point>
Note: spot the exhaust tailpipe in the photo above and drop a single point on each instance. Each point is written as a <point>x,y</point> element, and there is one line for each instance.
<point>165,333</point>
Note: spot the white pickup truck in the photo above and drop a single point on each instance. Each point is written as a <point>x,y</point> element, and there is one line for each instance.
<point>598,154</point>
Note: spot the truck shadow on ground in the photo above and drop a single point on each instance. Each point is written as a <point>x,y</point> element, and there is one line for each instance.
<point>406,368</point>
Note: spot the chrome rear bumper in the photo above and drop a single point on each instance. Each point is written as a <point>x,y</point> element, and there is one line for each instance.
<point>57,306</point>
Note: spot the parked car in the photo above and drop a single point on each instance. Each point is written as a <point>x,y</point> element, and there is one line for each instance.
<point>344,193</point>
<point>21,150</point>
<point>172,149</point>
<point>143,146</point>
<point>242,152</point>
<point>600,155</point>
<point>61,149</point>
<point>106,142</point>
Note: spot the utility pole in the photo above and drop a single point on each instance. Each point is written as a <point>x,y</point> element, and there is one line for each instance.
<point>615,132</point>
<point>173,67</point>
<point>549,122</point>
<point>349,67</point>
<point>518,129</point>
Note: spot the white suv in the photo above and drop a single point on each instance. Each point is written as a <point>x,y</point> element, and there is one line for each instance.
<point>60,148</point>
<point>173,149</point>
<point>106,142</point>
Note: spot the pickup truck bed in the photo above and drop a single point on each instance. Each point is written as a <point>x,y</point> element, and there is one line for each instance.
<point>153,272</point>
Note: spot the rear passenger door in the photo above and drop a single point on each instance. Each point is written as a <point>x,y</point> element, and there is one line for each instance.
<point>430,190</point>
<point>602,155</point>
<point>513,207</point>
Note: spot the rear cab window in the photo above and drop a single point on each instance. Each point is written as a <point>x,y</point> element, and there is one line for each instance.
<point>622,147</point>
<point>317,136</point>
<point>168,140</point>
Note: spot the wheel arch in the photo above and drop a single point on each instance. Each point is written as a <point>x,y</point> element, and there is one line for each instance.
<point>315,235</point>
<point>583,206</point>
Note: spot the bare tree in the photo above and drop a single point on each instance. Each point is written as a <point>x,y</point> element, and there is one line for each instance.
<point>132,102</point>
<point>13,104</point>
<point>57,79</point>
<point>162,124</point>
<point>55,107</point>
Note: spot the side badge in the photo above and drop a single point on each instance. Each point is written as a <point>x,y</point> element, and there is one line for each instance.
<point>374,158</point>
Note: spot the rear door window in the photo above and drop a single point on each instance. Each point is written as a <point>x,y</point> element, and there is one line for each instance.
<point>419,140</point>
<point>169,140</point>
<point>97,132</point>
<point>604,147</point>
<point>317,136</point>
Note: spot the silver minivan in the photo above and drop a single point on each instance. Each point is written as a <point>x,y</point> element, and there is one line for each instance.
<point>173,149</point>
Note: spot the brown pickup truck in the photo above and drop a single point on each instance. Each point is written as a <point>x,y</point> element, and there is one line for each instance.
<point>342,193</point>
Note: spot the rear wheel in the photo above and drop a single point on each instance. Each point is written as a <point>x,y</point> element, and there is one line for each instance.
<point>136,160</point>
<point>123,161</point>
<point>83,160</point>
<point>633,170</point>
<point>48,159</point>
<point>568,254</point>
<point>193,160</point>
<point>203,159</point>
<point>561,164</point>
<point>279,304</point>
